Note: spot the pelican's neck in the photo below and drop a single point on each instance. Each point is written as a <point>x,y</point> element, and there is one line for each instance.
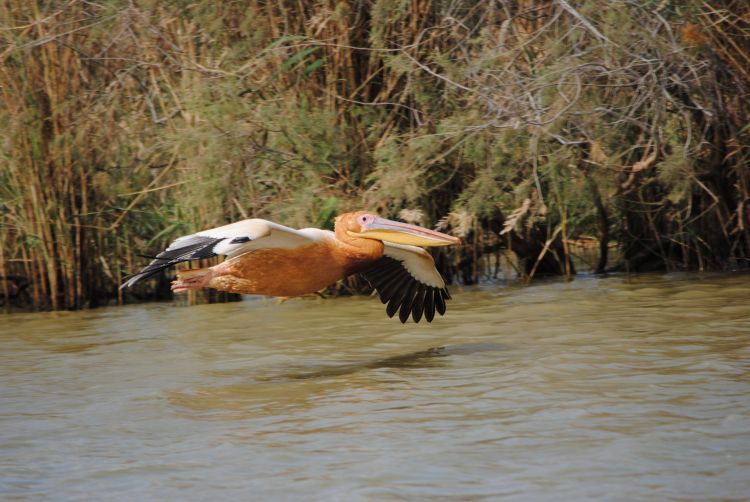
<point>356,250</point>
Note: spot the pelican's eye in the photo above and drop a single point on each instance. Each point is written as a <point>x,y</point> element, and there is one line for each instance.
<point>365,219</point>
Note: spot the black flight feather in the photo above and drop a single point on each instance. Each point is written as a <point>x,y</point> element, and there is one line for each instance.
<point>429,304</point>
<point>194,248</point>
<point>440,302</point>
<point>405,310</point>
<point>418,307</point>
<point>389,291</point>
<point>403,292</point>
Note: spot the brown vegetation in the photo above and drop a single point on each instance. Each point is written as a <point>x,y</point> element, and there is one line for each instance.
<point>528,123</point>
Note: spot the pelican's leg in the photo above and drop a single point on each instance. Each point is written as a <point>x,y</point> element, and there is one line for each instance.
<point>223,278</point>
<point>200,278</point>
<point>191,279</point>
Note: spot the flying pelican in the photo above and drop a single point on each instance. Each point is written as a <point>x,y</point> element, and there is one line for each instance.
<point>270,259</point>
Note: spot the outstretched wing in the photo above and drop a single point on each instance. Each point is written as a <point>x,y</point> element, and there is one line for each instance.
<point>230,240</point>
<point>407,280</point>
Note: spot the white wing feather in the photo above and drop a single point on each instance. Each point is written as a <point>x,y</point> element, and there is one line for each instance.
<point>417,262</point>
<point>230,240</point>
<point>262,234</point>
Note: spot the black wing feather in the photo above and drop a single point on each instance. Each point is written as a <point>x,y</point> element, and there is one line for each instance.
<point>388,291</point>
<point>418,306</point>
<point>429,304</point>
<point>194,248</point>
<point>405,310</point>
<point>403,292</point>
<point>399,295</point>
<point>440,302</point>
<point>385,283</point>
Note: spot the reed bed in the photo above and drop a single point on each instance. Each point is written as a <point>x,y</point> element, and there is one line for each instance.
<point>519,125</point>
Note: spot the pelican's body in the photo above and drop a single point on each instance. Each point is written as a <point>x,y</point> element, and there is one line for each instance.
<point>291,271</point>
<point>270,259</point>
<point>282,272</point>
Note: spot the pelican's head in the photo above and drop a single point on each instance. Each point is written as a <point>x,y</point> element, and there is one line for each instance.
<point>365,225</point>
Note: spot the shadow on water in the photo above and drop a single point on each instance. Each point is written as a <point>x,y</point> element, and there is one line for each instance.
<point>300,388</point>
<point>420,359</point>
<point>75,348</point>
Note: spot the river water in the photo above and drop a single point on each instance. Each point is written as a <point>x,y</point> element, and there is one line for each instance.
<point>620,388</point>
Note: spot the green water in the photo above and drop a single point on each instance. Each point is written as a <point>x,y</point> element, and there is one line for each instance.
<point>597,389</point>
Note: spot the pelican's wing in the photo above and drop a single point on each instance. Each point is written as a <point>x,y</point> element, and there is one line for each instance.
<point>407,280</point>
<point>230,240</point>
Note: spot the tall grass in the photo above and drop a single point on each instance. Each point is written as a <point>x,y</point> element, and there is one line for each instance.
<point>520,125</point>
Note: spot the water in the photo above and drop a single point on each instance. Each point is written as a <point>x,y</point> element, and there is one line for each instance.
<point>597,389</point>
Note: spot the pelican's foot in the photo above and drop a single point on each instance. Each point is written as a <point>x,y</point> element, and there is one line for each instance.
<point>191,279</point>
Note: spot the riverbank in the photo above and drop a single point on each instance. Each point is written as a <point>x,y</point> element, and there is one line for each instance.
<point>516,127</point>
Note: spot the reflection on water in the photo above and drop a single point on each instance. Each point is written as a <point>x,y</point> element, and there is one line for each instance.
<point>617,389</point>
<point>421,358</point>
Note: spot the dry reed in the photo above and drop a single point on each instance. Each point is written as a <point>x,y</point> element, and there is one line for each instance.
<point>530,123</point>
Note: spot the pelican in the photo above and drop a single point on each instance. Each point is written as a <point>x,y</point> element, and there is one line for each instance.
<point>266,258</point>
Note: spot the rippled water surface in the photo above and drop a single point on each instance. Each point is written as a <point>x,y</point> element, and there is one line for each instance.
<point>597,389</point>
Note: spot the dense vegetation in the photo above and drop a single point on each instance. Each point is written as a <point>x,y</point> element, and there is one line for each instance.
<point>520,125</point>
